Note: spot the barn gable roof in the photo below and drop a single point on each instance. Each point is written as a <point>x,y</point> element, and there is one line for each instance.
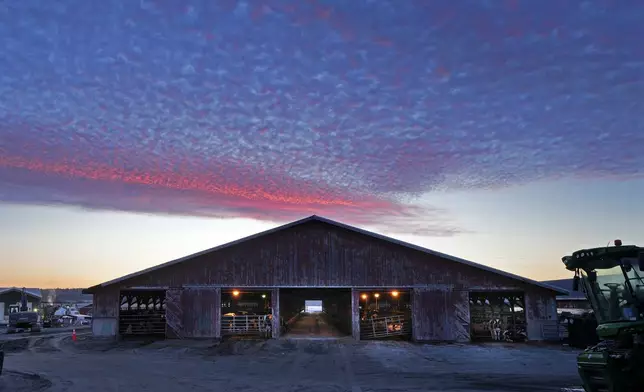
<point>315,218</point>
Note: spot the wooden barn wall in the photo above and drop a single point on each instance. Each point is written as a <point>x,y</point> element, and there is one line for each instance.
<point>201,313</point>
<point>318,254</point>
<point>440,315</point>
<point>174,313</point>
<point>193,313</point>
<point>106,303</point>
<point>541,314</point>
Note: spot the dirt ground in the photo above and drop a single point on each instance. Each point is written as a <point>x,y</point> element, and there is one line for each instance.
<point>56,364</point>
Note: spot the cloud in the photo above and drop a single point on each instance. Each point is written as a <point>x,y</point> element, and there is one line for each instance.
<point>283,109</point>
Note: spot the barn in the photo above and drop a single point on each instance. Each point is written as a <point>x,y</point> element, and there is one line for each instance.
<point>366,285</point>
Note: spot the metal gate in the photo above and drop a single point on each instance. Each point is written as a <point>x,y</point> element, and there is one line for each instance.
<point>385,327</point>
<point>142,313</point>
<point>258,325</point>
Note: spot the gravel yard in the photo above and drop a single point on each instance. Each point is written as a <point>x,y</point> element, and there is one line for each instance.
<point>56,364</point>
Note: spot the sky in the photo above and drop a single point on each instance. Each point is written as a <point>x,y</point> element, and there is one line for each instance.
<point>509,133</point>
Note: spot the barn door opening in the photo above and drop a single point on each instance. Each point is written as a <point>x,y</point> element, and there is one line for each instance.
<point>498,316</point>
<point>142,313</point>
<point>385,314</point>
<point>246,312</point>
<point>315,312</point>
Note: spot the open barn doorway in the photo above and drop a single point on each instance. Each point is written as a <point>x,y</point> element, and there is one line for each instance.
<point>246,312</point>
<point>142,313</point>
<point>315,313</point>
<point>385,314</point>
<point>498,316</point>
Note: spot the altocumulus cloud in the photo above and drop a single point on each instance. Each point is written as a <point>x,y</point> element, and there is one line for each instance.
<point>277,109</point>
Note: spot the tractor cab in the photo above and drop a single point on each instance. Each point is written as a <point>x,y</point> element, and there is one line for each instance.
<point>612,279</point>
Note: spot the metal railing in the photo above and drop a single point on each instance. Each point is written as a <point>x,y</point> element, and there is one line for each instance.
<point>142,324</point>
<point>259,325</point>
<point>384,327</point>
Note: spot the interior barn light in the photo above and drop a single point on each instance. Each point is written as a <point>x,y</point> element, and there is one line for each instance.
<point>376,295</point>
<point>364,296</point>
<point>235,293</point>
<point>263,295</point>
<point>394,293</point>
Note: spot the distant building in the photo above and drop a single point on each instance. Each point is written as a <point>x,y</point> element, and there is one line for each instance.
<point>10,296</point>
<point>574,302</point>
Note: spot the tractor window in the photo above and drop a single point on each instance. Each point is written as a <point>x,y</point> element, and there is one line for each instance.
<point>612,296</point>
<point>636,280</point>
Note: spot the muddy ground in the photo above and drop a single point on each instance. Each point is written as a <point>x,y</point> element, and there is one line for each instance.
<point>56,364</point>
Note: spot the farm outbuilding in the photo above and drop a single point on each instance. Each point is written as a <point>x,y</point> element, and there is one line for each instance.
<point>364,284</point>
<point>10,298</point>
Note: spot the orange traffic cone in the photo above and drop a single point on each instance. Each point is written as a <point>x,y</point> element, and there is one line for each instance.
<point>74,335</point>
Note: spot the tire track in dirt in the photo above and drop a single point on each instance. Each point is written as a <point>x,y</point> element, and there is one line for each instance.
<point>14,381</point>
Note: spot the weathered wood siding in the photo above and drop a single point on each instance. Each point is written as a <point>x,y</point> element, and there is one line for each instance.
<point>193,313</point>
<point>201,312</point>
<point>440,315</point>
<point>106,303</point>
<point>316,254</point>
<point>174,313</point>
<point>355,314</point>
<point>541,314</point>
<point>276,326</point>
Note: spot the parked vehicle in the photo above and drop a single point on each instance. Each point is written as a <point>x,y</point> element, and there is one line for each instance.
<point>24,319</point>
<point>612,278</point>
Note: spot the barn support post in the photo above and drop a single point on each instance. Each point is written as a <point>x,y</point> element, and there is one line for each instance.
<point>276,327</point>
<point>355,314</point>
<point>217,313</point>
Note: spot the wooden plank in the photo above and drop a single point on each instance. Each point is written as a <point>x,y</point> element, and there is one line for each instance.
<point>174,313</point>
<point>201,310</point>
<point>355,314</point>
<point>460,302</point>
<point>217,313</point>
<point>275,305</point>
<point>440,315</point>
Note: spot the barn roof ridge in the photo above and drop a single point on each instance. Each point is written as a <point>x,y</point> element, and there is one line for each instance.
<point>339,225</point>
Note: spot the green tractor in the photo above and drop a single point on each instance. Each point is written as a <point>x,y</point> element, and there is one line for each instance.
<point>612,279</point>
